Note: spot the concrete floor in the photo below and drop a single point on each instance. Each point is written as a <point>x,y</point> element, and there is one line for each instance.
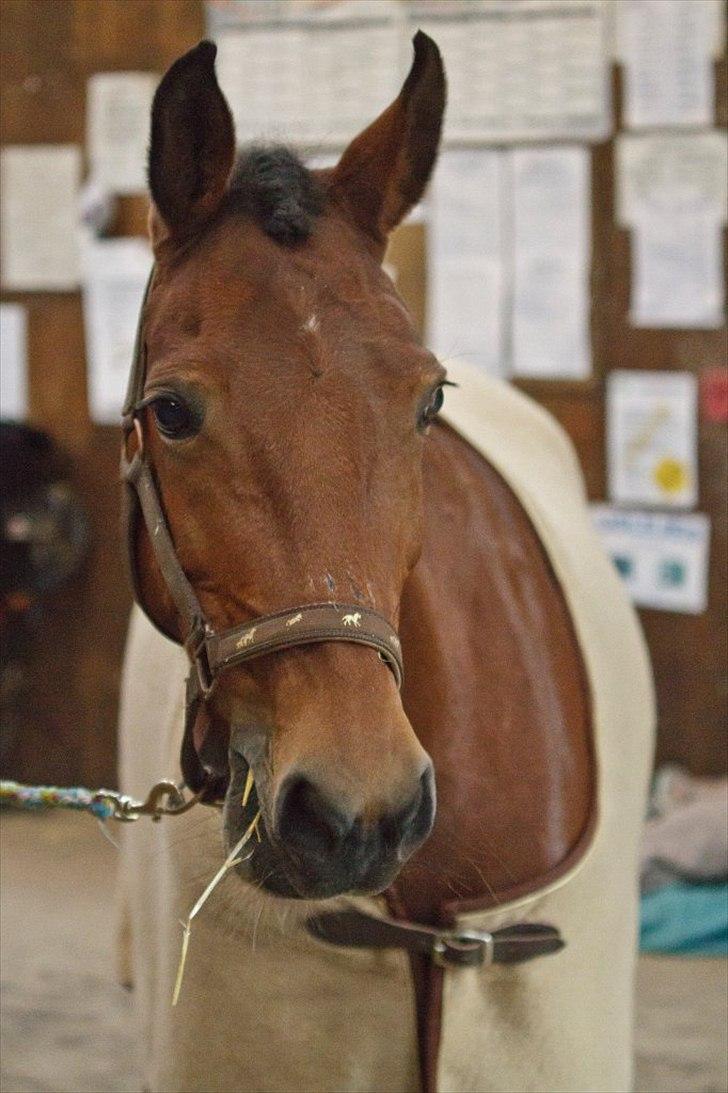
<point>67,1027</point>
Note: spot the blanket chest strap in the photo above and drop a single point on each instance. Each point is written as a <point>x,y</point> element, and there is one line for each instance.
<point>446,947</point>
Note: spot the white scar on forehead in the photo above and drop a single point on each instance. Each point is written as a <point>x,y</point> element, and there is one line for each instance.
<point>312,323</point>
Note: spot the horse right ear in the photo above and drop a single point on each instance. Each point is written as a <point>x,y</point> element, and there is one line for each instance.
<point>384,171</point>
<point>192,148</point>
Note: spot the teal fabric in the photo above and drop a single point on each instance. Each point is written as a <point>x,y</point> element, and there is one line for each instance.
<point>685,918</point>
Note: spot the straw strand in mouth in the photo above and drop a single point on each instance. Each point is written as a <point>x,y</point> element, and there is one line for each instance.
<point>230,862</point>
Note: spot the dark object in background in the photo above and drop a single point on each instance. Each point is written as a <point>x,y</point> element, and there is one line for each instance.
<point>43,541</point>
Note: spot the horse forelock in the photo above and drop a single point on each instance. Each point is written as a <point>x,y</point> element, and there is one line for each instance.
<point>272,185</point>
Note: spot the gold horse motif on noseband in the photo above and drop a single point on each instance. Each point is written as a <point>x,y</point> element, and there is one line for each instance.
<point>247,639</point>
<point>352,620</point>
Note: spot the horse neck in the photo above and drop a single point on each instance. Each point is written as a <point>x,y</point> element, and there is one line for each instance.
<point>495,689</point>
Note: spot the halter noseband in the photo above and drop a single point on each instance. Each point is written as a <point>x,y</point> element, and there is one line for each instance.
<point>212,652</point>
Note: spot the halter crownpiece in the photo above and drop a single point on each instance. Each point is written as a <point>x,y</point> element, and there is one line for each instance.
<point>212,652</point>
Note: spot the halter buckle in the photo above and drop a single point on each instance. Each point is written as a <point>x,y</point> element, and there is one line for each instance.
<point>196,646</point>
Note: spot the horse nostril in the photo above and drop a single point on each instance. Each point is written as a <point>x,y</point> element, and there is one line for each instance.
<point>306,820</point>
<point>413,824</point>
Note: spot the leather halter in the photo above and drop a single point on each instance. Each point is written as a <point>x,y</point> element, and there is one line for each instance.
<point>212,652</point>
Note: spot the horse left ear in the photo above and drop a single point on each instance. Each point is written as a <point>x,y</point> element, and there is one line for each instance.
<point>192,148</point>
<point>384,171</point>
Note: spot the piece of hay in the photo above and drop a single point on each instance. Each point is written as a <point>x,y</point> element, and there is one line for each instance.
<point>249,781</point>
<point>230,862</point>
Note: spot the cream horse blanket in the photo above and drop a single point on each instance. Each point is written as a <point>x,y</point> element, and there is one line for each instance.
<point>264,1007</point>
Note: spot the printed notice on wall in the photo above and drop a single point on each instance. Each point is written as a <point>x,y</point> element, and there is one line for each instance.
<point>118,110</point>
<point>663,176</point>
<point>521,69</point>
<point>508,260</point>
<point>652,438</point>
<point>552,253</point>
<point>465,276</point>
<point>316,73</point>
<point>661,557</point>
<point>13,362</point>
<point>677,275</point>
<point>672,192</point>
<point>38,217</point>
<point>115,273</point>
<point>666,49</point>
<point>312,75</point>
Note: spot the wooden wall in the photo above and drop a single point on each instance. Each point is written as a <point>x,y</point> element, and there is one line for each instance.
<point>49,48</point>
<point>689,652</point>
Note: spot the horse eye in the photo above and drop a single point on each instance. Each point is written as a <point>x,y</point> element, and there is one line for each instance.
<point>175,419</point>
<point>433,407</point>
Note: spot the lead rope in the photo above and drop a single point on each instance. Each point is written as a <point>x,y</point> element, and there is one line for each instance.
<point>165,798</point>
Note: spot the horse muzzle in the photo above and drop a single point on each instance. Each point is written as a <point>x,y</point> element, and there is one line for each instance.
<point>314,847</point>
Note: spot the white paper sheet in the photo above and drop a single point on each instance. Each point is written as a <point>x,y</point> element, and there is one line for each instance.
<point>717,17</point>
<point>38,216</point>
<point>666,48</point>
<point>309,75</point>
<point>115,275</point>
<point>552,255</point>
<point>664,176</point>
<point>521,69</point>
<point>652,438</point>
<point>677,275</point>
<point>465,282</point>
<point>118,108</point>
<point>672,191</point>
<point>314,74</point>
<point>13,362</point>
<point>222,15</point>
<point>663,559</point>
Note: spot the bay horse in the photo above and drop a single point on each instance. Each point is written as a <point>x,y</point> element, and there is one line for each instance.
<point>287,423</point>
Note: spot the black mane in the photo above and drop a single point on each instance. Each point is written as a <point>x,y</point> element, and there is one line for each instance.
<point>271,184</point>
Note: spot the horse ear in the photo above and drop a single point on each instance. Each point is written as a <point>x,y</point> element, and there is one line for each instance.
<point>384,171</point>
<point>192,147</point>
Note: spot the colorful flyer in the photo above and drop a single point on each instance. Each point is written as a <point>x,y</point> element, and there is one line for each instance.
<point>652,457</point>
<point>661,557</point>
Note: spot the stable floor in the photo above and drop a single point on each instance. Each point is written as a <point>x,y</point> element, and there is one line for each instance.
<point>67,1027</point>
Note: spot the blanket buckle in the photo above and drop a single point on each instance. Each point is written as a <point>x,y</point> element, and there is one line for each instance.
<point>463,948</point>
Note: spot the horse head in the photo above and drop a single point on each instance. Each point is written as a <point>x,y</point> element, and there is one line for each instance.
<point>286,403</point>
